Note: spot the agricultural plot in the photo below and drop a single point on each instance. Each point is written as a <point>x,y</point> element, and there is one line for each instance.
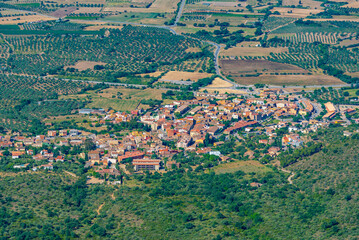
<point>250,72</point>
<point>24,99</point>
<point>183,76</point>
<point>324,37</point>
<point>141,17</point>
<point>131,50</point>
<point>296,12</point>
<point>118,98</point>
<point>242,50</point>
<point>312,4</point>
<point>52,25</point>
<point>245,166</point>
<point>84,65</point>
<point>272,23</point>
<point>289,80</point>
<point>219,83</point>
<point>319,27</point>
<point>24,18</point>
<point>251,66</point>
<point>307,56</point>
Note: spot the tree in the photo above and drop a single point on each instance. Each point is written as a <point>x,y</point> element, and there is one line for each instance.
<point>89,145</point>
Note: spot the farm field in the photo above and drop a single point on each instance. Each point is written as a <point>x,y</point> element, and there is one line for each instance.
<point>251,51</point>
<point>25,99</point>
<point>312,4</point>
<point>249,72</point>
<point>354,74</point>
<point>219,83</point>
<point>250,66</point>
<point>84,65</point>
<point>103,26</point>
<point>245,166</point>
<point>183,76</point>
<point>296,12</point>
<point>136,54</point>
<point>117,98</point>
<point>224,91</point>
<point>24,19</point>
<point>289,80</point>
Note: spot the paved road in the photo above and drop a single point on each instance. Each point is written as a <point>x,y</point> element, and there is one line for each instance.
<point>179,14</point>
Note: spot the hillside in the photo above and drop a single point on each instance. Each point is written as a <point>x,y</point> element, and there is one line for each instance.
<point>320,203</point>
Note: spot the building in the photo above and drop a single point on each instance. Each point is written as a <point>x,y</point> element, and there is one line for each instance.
<point>146,164</point>
<point>182,109</point>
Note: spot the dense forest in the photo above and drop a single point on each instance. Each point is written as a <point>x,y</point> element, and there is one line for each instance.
<point>183,203</point>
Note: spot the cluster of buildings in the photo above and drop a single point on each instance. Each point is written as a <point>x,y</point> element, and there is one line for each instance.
<point>198,125</point>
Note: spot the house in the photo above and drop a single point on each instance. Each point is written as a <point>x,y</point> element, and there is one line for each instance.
<point>74,132</point>
<point>16,154</point>
<point>213,130</point>
<point>184,142</point>
<point>146,164</point>
<point>133,155</point>
<point>59,159</point>
<point>51,133</point>
<point>292,139</point>
<point>195,110</point>
<point>21,166</point>
<point>347,133</point>
<point>273,151</point>
<point>171,164</point>
<point>94,156</point>
<point>63,133</point>
<point>44,166</point>
<point>110,171</point>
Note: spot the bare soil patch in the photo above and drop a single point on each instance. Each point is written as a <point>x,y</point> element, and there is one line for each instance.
<point>94,180</point>
<point>63,12</point>
<point>183,76</point>
<point>83,65</point>
<point>87,10</point>
<point>193,49</point>
<point>348,42</point>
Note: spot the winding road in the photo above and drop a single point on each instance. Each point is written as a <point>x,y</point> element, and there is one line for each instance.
<point>291,175</point>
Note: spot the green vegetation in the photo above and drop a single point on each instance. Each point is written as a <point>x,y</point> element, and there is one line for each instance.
<point>192,204</point>
<point>126,52</point>
<point>26,100</point>
<point>333,61</point>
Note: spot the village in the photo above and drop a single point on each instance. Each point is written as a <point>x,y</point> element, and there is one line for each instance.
<point>276,119</point>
